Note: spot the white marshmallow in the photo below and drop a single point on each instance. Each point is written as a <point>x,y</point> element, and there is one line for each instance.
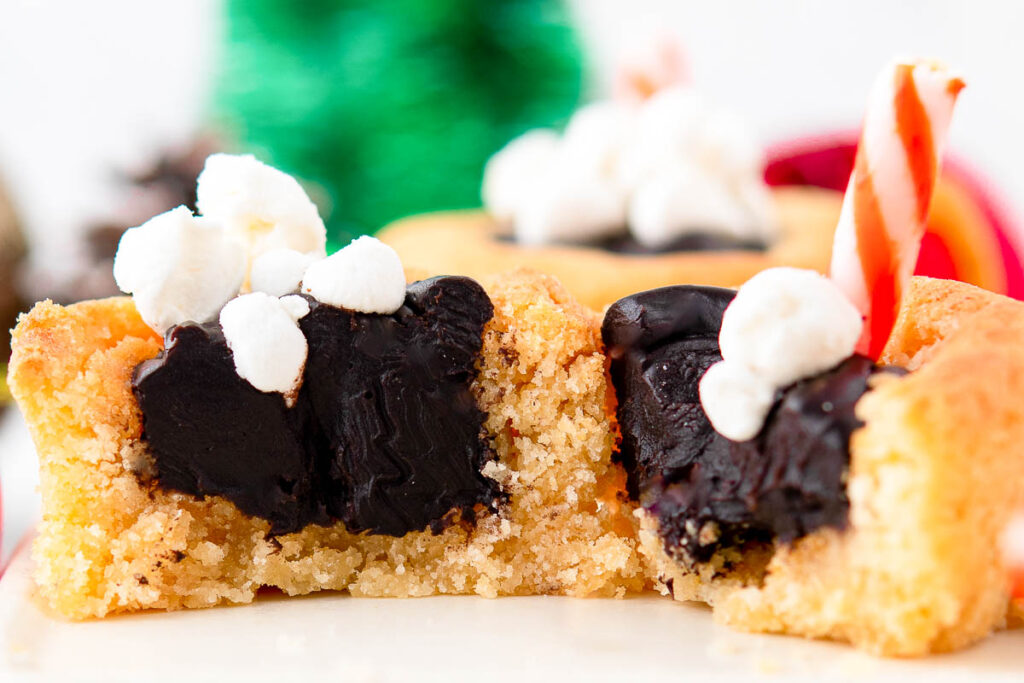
<point>784,324</point>
<point>683,200</point>
<point>789,323</point>
<point>691,162</point>
<point>668,129</point>
<point>510,175</point>
<point>178,267</point>
<point>279,271</point>
<point>263,207</point>
<point>676,165</point>
<point>297,307</point>
<point>268,347</point>
<point>571,208</point>
<point>735,400</point>
<point>365,276</point>
<point>594,138</point>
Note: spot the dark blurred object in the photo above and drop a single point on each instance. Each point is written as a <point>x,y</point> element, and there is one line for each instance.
<point>12,250</point>
<point>168,183</point>
<point>393,106</point>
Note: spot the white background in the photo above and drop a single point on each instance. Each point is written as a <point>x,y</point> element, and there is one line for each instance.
<point>88,86</point>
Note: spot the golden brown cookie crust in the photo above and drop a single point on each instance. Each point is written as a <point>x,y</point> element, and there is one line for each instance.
<point>464,243</point>
<point>935,474</point>
<point>110,544</point>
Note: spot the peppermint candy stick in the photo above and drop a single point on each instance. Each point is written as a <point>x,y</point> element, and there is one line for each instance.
<point>1013,553</point>
<point>886,203</point>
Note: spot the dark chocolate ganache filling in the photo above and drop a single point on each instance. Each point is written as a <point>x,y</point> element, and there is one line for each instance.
<point>384,434</point>
<point>707,491</point>
<point>696,241</point>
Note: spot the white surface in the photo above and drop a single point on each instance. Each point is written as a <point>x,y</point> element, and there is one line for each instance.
<point>444,638</point>
<point>19,480</point>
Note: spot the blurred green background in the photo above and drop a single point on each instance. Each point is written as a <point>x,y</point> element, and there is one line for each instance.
<point>391,108</point>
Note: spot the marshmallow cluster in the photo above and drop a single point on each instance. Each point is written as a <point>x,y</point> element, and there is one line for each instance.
<point>262,207</point>
<point>784,324</point>
<point>671,165</point>
<point>259,232</point>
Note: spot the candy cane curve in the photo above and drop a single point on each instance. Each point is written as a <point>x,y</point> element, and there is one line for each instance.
<point>886,203</point>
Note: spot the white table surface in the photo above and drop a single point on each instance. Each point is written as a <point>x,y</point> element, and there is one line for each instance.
<point>335,637</point>
<point>19,479</point>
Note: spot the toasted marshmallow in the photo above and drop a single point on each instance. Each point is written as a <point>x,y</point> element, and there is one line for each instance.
<point>279,271</point>
<point>267,345</point>
<point>262,207</point>
<point>510,176</point>
<point>735,400</point>
<point>179,267</point>
<point>365,276</point>
<point>784,324</point>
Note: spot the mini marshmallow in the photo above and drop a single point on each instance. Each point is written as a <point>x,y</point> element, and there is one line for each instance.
<point>297,307</point>
<point>694,166</point>
<point>267,345</point>
<point>178,267</point>
<point>510,176</point>
<point>365,276</point>
<point>279,271</point>
<point>735,400</point>
<point>261,206</point>
<point>784,324</point>
<point>789,323</point>
<point>594,139</point>
<point>683,200</point>
<point>570,208</point>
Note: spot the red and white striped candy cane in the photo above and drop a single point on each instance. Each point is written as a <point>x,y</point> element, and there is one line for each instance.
<point>1013,554</point>
<point>886,203</point>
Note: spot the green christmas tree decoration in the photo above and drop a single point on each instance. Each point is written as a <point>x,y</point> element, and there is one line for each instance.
<point>391,107</point>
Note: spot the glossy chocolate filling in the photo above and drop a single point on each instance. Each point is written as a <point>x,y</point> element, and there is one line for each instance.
<point>696,241</point>
<point>384,435</point>
<point>708,492</point>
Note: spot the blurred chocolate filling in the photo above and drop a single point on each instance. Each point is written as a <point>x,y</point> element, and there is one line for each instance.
<point>694,241</point>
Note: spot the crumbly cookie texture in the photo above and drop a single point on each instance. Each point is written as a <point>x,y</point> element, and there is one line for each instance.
<point>110,544</point>
<point>935,474</point>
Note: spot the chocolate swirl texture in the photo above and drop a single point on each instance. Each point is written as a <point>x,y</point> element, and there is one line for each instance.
<point>384,435</point>
<point>707,491</point>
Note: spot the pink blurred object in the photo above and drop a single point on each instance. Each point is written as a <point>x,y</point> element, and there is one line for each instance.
<point>650,65</point>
